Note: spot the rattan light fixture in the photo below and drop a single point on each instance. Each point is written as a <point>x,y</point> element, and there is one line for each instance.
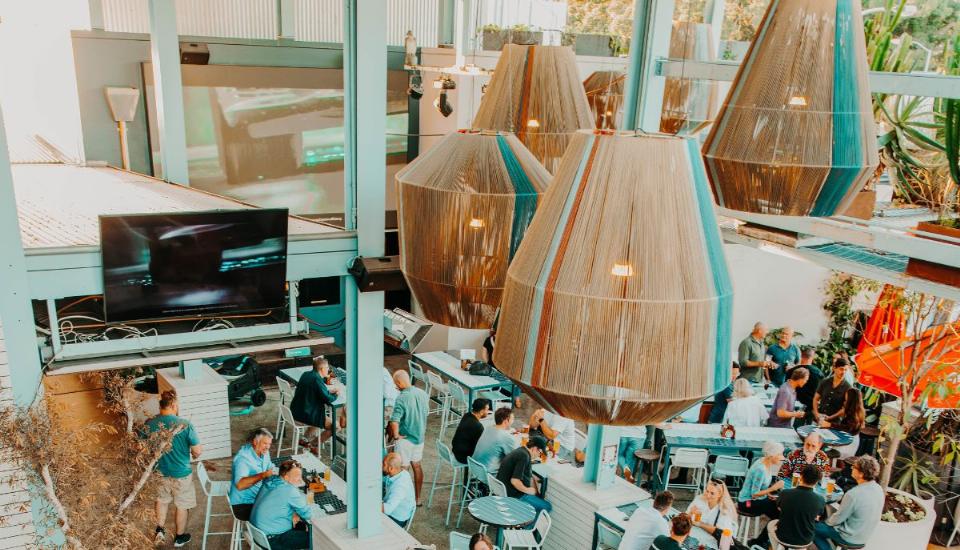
<point>464,206</point>
<point>617,306</point>
<point>605,96</point>
<point>796,134</point>
<point>688,102</point>
<point>536,93</point>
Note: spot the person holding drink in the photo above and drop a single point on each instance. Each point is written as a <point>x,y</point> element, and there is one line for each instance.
<point>751,355</point>
<point>714,511</point>
<point>811,453</point>
<point>783,353</point>
<point>851,421</point>
<point>755,496</point>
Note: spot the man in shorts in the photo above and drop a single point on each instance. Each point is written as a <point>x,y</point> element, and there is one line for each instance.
<point>173,468</point>
<point>408,426</point>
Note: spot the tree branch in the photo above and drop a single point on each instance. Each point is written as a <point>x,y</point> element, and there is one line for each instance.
<point>147,472</point>
<point>58,507</point>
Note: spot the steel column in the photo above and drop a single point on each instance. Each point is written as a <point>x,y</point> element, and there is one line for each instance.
<point>598,437</point>
<point>168,90</point>
<point>365,109</point>
<point>16,313</point>
<point>286,19</point>
<point>643,101</point>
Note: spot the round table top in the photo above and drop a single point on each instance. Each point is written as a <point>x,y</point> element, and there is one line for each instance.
<point>833,496</point>
<point>831,437</point>
<point>502,511</point>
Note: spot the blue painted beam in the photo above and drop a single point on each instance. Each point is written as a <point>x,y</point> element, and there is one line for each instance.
<point>165,54</point>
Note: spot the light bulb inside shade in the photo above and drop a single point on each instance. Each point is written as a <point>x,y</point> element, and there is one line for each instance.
<point>798,101</point>
<point>475,223</point>
<point>533,123</point>
<point>622,270</point>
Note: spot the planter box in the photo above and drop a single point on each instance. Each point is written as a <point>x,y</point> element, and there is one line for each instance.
<point>904,536</point>
<point>931,271</point>
<point>494,41</point>
<point>600,45</point>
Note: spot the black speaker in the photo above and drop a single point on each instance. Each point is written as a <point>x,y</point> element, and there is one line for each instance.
<point>193,53</point>
<point>376,274</point>
<point>321,291</point>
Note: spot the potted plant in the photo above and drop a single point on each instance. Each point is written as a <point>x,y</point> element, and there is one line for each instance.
<point>596,44</point>
<point>495,36</point>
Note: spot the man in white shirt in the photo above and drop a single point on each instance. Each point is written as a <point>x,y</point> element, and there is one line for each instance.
<point>647,523</point>
<point>554,427</point>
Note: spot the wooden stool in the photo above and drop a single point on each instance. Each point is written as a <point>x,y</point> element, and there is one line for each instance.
<point>643,456</point>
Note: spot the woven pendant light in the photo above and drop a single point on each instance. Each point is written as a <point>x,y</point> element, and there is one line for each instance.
<point>605,96</point>
<point>463,207</point>
<point>688,102</point>
<point>536,93</point>
<point>617,306</point>
<point>796,135</point>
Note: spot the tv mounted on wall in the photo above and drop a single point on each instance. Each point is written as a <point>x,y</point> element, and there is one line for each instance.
<point>193,264</point>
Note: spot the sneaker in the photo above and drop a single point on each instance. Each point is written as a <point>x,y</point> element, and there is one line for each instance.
<point>181,540</point>
<point>159,536</point>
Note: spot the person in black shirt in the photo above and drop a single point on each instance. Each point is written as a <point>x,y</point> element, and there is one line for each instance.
<point>799,510</point>
<point>806,392</point>
<point>470,429</point>
<point>311,398</point>
<point>516,473</point>
<point>722,397</point>
<point>680,527</point>
<point>828,401</point>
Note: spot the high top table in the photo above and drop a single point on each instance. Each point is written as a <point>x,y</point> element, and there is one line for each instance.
<point>448,367</point>
<point>330,531</point>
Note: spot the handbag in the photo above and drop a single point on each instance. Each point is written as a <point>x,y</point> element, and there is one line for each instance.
<point>479,368</point>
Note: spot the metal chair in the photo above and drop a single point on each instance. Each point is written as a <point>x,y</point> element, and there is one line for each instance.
<point>456,405</point>
<point>528,538</point>
<point>296,430</point>
<point>695,460</point>
<point>476,482</point>
<point>410,521</point>
<point>258,538</point>
<point>286,395</point>
<point>459,541</point>
<point>212,489</point>
<point>442,391</point>
<point>497,488</point>
<point>730,466</point>
<point>749,526</point>
<point>607,538</point>
<point>445,456</point>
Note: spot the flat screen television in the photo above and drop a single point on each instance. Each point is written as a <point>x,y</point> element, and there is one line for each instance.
<point>193,264</point>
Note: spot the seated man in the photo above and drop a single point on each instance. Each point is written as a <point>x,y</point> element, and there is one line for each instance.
<point>516,473</point>
<point>722,397</point>
<point>680,527</point>
<point>312,397</point>
<point>399,497</point>
<point>469,430</point>
<point>799,509</point>
<point>496,441</point>
<point>648,523</point>
<point>809,454</point>
<point>859,511</point>
<point>554,427</point>
<point>251,466</point>
<point>279,508</point>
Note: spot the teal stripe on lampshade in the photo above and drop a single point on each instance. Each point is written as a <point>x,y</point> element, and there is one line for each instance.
<point>847,153</point>
<point>535,316</point>
<point>525,204</point>
<point>718,266</point>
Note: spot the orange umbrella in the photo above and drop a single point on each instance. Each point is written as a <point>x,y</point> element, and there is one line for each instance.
<point>886,321</point>
<point>882,366</point>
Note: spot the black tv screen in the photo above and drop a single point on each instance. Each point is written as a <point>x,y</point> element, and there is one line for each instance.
<point>193,264</point>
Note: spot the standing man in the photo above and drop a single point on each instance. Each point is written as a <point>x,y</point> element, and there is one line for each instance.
<point>784,353</point>
<point>281,510</point>
<point>312,397</point>
<point>251,466</point>
<point>176,474</point>
<point>799,509</point>
<point>828,401</point>
<point>408,426</point>
<point>859,511</point>
<point>496,441</point>
<point>783,410</point>
<point>399,497</point>
<point>722,397</point>
<point>469,430</point>
<point>751,355</point>
<point>647,524</point>
<point>806,392</point>
<point>516,473</point>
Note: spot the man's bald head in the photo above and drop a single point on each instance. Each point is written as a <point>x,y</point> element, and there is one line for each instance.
<point>401,379</point>
<point>392,464</point>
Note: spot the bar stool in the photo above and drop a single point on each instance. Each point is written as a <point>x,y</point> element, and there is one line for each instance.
<point>749,526</point>
<point>213,489</point>
<point>644,456</point>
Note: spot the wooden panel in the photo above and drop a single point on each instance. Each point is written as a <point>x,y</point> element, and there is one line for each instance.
<point>70,383</point>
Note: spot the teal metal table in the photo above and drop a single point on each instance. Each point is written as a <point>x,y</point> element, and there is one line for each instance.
<point>502,513</point>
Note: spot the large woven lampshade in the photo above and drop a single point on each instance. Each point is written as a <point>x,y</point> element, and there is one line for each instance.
<point>796,134</point>
<point>536,93</point>
<point>463,207</point>
<point>605,96</point>
<point>617,306</point>
<point>688,102</point>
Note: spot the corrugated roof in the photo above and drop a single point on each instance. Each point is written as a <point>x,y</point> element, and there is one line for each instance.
<point>58,205</point>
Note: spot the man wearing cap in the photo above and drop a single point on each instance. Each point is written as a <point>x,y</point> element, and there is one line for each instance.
<point>516,473</point>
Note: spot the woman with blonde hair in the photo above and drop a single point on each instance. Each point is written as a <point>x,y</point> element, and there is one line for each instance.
<point>714,510</point>
<point>746,409</point>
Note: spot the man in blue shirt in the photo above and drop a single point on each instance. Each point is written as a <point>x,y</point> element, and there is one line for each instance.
<point>399,498</point>
<point>783,353</point>
<point>251,466</point>
<point>722,397</point>
<point>173,468</point>
<point>280,506</point>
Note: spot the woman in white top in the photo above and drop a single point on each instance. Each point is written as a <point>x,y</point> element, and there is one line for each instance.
<point>746,409</point>
<point>714,510</point>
